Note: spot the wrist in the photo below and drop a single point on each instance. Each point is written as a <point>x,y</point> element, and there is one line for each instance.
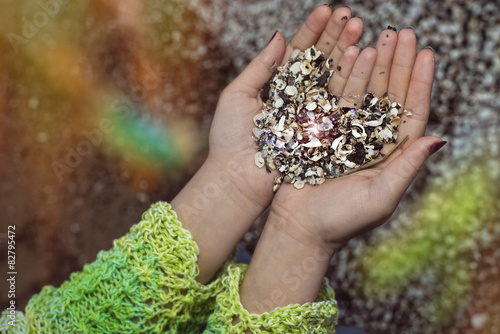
<point>216,212</point>
<point>285,268</point>
<point>301,226</point>
<point>243,184</point>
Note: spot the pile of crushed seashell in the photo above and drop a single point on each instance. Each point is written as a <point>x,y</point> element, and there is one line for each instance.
<point>304,134</point>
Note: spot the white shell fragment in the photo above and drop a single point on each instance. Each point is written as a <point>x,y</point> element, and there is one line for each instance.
<point>291,90</point>
<point>259,160</point>
<point>306,136</point>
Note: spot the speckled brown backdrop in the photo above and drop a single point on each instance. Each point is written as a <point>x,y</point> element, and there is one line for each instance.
<point>63,70</point>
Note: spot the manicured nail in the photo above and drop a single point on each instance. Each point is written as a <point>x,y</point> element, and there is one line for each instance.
<point>437,146</point>
<point>273,36</point>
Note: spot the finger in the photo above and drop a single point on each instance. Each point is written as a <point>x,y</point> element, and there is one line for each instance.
<point>397,176</point>
<point>350,36</point>
<point>418,99</point>
<point>333,30</point>
<point>402,65</point>
<point>259,71</point>
<point>355,87</point>
<point>343,71</point>
<point>386,45</point>
<point>310,31</point>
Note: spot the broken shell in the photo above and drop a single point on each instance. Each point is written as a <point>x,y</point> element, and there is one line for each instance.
<point>311,53</point>
<point>311,106</point>
<point>299,184</point>
<point>257,132</point>
<point>295,68</point>
<point>291,90</point>
<point>278,103</point>
<point>270,163</point>
<point>280,84</point>
<point>310,173</point>
<point>324,104</point>
<point>314,142</point>
<point>336,142</point>
<point>259,160</point>
<point>385,134</point>
<point>288,134</point>
<point>305,67</point>
<point>281,125</point>
<point>329,63</point>
<point>349,164</point>
<point>257,119</point>
<point>294,54</point>
<point>375,122</point>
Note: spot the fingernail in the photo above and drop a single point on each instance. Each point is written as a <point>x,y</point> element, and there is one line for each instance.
<point>437,146</point>
<point>410,27</point>
<point>329,5</point>
<point>430,48</point>
<point>362,19</point>
<point>273,36</point>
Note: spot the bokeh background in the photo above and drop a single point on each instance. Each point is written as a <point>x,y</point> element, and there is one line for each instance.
<point>105,107</point>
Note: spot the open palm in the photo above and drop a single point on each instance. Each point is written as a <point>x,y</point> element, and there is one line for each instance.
<point>347,206</point>
<point>231,140</point>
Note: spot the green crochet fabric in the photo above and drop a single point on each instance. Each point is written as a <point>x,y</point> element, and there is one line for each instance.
<point>146,284</point>
<point>231,317</point>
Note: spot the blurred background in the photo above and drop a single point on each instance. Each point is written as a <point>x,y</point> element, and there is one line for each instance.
<point>105,107</point>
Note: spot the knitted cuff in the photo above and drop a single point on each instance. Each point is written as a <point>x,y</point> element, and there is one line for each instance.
<point>13,322</point>
<point>145,284</point>
<point>231,317</point>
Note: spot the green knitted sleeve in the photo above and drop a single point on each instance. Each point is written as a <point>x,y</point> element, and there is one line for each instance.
<point>230,316</point>
<point>144,284</point>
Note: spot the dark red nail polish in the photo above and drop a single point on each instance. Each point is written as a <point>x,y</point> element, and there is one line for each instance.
<point>437,146</point>
<point>273,36</point>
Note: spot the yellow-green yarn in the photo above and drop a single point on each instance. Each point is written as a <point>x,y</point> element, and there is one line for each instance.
<point>144,284</point>
<point>318,317</point>
<point>147,284</point>
<point>17,319</point>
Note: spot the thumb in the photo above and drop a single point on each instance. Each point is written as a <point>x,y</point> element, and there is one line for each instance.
<point>397,176</point>
<point>259,71</point>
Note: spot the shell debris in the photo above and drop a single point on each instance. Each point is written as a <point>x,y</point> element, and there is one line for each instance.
<point>303,131</point>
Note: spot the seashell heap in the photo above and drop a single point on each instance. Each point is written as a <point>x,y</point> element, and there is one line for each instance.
<point>305,135</point>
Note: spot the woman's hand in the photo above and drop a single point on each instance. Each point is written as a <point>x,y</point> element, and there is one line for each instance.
<point>231,137</point>
<point>306,226</point>
<point>344,207</point>
<point>229,192</point>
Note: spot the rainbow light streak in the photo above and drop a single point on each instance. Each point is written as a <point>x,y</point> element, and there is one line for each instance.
<point>143,140</point>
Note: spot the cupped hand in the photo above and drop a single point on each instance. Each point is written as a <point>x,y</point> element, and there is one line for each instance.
<point>342,208</point>
<point>231,139</point>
